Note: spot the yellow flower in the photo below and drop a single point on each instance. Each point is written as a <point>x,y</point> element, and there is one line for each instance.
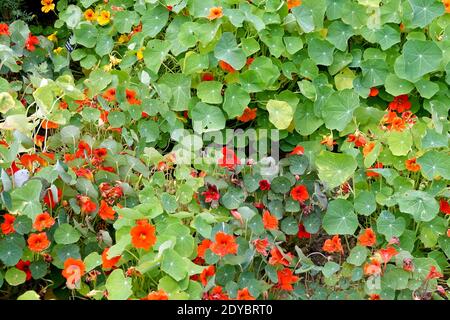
<point>53,37</point>
<point>58,50</point>
<point>114,61</point>
<point>47,6</point>
<point>104,18</point>
<point>123,38</point>
<point>107,67</point>
<point>90,15</point>
<point>140,54</point>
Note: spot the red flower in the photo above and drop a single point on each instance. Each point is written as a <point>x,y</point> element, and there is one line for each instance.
<point>373,92</point>
<point>400,104</point>
<point>261,246</point>
<point>298,150</point>
<point>229,160</point>
<point>226,67</point>
<point>74,269</point>
<point>4,29</point>
<point>143,235</point>
<point>217,294</point>
<point>264,185</point>
<point>373,268</point>
<point>49,200</point>
<point>206,273</point>
<point>25,267</point>
<point>224,244</point>
<point>202,247</point>
<point>387,254</point>
<point>110,95</point>
<point>207,76</point>
<point>38,242</point>
<point>374,296</point>
<point>106,212</point>
<point>212,194</point>
<point>86,204</point>
<point>249,114</point>
<point>84,150</point>
<point>157,295</point>
<point>131,97</point>
<point>8,224</point>
<point>43,221</point>
<point>368,238</point>
<point>285,279</point>
<point>433,274</point>
<point>374,174</point>
<point>333,245</point>
<point>302,233</point>
<point>277,257</point>
<point>357,138</point>
<point>444,206</point>
<point>31,42</point>
<point>109,263</point>
<point>300,193</point>
<point>270,222</point>
<point>244,295</point>
<point>249,61</point>
<point>85,173</point>
<point>412,165</point>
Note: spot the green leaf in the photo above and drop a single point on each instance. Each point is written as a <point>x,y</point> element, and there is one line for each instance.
<point>280,184</point>
<point>396,279</point>
<point>15,276</point>
<point>310,14</point>
<point>358,255</point>
<point>280,113</point>
<point>66,234</point>
<point>289,226</point>
<point>235,101</point>
<point>389,226</point>
<point>338,109</point>
<point>207,118</point>
<point>330,268</point>
<point>335,168</point>
<point>396,86</point>
<point>105,44</point>
<point>338,34</point>
<point>174,265</point>
<point>86,35</point>
<point>306,122</point>
<point>155,53</point>
<point>374,72</point>
<point>180,86</point>
<point>427,88</point>
<point>365,203</point>
<point>419,204</point>
<point>435,164</point>
<point>293,44</point>
<point>10,253</point>
<point>432,139</point>
<point>6,102</point>
<point>124,20</point>
<point>321,51</point>
<point>210,92</point>
<point>92,261</point>
<point>118,286</point>
<point>29,295</point>
<point>400,142</point>
<point>425,11</point>
<point>233,198</point>
<point>98,80</point>
<point>38,269</point>
<point>340,218</point>
<point>227,50</point>
<point>154,20</point>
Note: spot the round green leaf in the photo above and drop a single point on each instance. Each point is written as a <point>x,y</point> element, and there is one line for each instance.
<point>66,234</point>
<point>340,218</point>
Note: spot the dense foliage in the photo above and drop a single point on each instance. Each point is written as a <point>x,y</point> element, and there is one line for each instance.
<point>100,111</point>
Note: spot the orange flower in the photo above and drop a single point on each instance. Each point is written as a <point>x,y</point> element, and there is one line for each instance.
<point>374,296</point>
<point>444,206</point>
<point>244,295</point>
<point>333,245</point>
<point>298,151</point>
<point>202,247</point>
<point>285,279</point>
<point>49,124</point>
<point>400,104</point>
<point>446,5</point>
<point>387,254</point>
<point>300,193</point>
<point>110,94</point>
<point>368,148</point>
<point>86,204</point>
<point>109,263</point>
<point>106,212</point>
<point>270,222</point>
<point>131,97</point>
<point>206,273</point>
<point>157,295</point>
<point>39,140</point>
<point>43,221</point>
<point>373,268</point>
<point>31,42</point>
<point>38,242</point>
<point>28,160</point>
<point>74,269</point>
<point>85,173</point>
<point>328,141</point>
<point>90,15</point>
<point>412,165</point>
<point>248,115</point>
<point>433,274</point>
<point>277,257</point>
<point>373,92</point>
<point>374,174</point>
<point>226,67</point>
<point>8,224</point>
<point>293,3</point>
<point>368,238</point>
<point>217,294</point>
<point>224,244</point>
<point>357,138</point>
<point>215,13</point>
<point>261,246</point>
<point>143,235</point>
<point>4,29</point>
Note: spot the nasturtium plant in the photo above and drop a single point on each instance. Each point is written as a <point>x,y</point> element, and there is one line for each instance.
<point>267,149</point>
